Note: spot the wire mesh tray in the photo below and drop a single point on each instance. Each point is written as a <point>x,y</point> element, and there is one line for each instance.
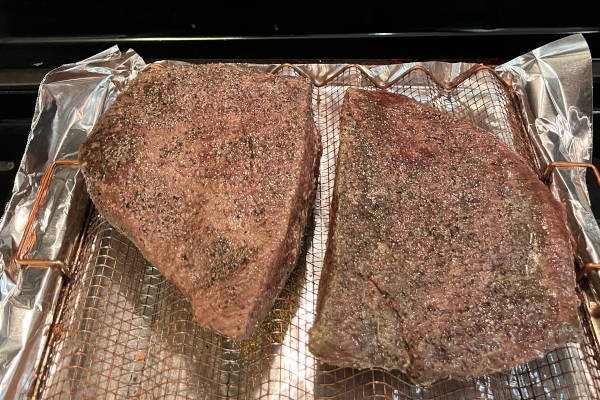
<point>124,331</point>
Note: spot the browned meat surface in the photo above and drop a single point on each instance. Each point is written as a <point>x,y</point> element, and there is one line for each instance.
<point>447,255</point>
<point>211,171</point>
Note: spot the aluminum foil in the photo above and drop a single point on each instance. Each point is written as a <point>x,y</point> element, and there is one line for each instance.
<point>553,84</point>
<point>70,100</point>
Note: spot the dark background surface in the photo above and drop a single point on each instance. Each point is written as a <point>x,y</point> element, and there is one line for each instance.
<point>36,36</point>
<point>56,18</point>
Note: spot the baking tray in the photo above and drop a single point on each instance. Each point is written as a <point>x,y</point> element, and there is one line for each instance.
<point>123,331</point>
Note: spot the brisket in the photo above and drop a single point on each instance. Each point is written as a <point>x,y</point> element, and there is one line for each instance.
<point>210,170</point>
<point>447,256</point>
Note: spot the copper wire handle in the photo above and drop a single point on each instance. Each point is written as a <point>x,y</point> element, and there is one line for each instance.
<point>570,164</point>
<point>26,239</point>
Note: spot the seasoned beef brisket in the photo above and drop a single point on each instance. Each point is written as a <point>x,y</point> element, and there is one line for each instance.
<point>210,170</point>
<point>447,255</point>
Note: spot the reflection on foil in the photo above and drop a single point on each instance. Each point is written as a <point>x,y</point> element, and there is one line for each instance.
<point>573,133</point>
<point>70,100</point>
<point>27,312</point>
<point>127,332</point>
<point>553,84</point>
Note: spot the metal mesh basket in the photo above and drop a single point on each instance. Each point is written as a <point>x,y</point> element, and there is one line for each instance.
<point>124,331</point>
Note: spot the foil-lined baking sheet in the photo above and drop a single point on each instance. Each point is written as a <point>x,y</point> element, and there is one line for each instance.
<point>70,100</point>
<point>122,331</point>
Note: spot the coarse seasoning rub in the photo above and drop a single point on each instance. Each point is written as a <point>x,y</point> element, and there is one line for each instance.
<point>447,256</point>
<point>210,170</point>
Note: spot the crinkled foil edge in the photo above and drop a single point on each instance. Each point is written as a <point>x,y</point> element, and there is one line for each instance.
<point>70,100</point>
